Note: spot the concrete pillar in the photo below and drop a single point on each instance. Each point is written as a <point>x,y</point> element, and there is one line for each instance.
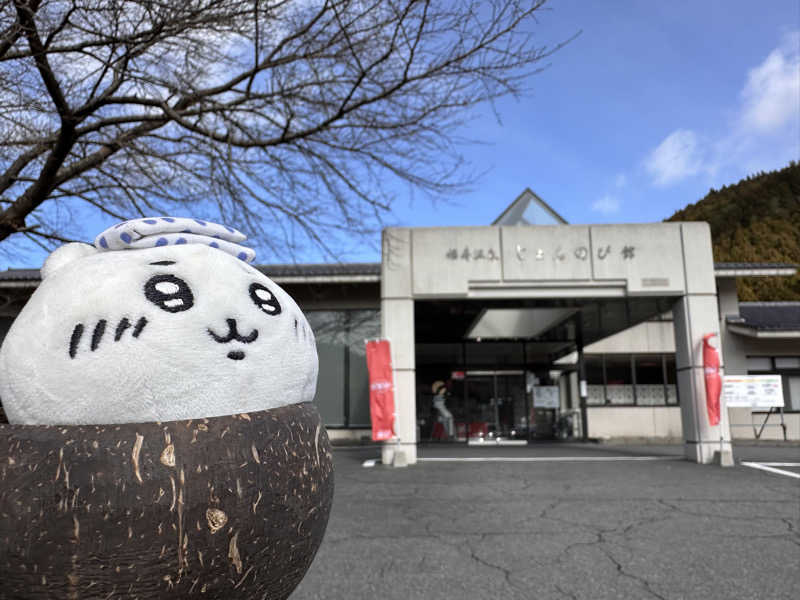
<point>397,325</point>
<point>696,314</point>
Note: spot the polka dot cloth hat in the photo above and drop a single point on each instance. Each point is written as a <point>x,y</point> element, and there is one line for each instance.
<point>172,231</point>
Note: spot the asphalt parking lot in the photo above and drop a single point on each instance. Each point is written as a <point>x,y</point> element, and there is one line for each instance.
<point>561,521</point>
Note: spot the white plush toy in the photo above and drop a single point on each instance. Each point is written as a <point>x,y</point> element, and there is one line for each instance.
<point>162,320</point>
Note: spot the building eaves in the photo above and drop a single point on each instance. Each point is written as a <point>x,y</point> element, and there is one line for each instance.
<point>323,273</point>
<point>754,269</point>
<point>282,273</point>
<point>371,272</point>
<point>20,278</point>
<point>776,320</point>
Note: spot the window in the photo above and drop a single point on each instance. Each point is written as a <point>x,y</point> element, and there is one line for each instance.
<point>759,363</point>
<point>623,379</point>
<point>671,378</point>
<point>619,380</point>
<point>649,380</point>
<point>789,369</point>
<point>343,385</point>
<point>595,380</point>
<point>363,325</point>
<point>787,362</point>
<point>791,392</point>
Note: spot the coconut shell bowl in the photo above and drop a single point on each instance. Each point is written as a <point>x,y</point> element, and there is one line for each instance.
<point>225,507</point>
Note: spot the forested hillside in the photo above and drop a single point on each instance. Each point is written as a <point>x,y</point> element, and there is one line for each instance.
<point>755,220</point>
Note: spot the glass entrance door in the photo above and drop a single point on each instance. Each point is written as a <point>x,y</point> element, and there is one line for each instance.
<point>496,406</point>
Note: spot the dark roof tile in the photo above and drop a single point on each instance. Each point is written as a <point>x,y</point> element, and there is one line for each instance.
<point>768,316</point>
<point>20,275</point>
<point>284,270</point>
<point>321,270</point>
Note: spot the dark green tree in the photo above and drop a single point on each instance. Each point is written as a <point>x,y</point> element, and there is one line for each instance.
<point>755,220</point>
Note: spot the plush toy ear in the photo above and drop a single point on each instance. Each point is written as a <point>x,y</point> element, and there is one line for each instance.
<point>64,255</point>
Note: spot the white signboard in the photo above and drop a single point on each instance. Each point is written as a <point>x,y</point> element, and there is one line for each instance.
<point>546,396</point>
<point>752,391</point>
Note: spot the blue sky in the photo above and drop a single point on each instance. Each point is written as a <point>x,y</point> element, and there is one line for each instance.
<point>651,106</point>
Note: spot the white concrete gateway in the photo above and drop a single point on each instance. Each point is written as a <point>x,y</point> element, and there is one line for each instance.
<point>542,276</point>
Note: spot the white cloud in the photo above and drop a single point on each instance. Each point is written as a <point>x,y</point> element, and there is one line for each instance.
<point>606,205</point>
<point>771,96</point>
<point>762,133</point>
<point>677,157</point>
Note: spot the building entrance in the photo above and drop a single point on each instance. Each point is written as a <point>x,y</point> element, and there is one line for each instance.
<point>553,289</point>
<point>497,408</point>
<point>491,407</point>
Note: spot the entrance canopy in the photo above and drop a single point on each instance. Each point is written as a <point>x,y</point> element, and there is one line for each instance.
<point>549,328</point>
<point>448,284</point>
<point>517,322</point>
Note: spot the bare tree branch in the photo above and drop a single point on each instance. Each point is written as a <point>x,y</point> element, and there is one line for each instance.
<point>294,119</point>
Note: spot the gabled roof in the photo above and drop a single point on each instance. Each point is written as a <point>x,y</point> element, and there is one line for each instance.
<point>777,320</point>
<point>529,209</point>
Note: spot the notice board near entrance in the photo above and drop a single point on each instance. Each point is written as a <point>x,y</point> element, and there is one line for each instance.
<point>546,396</point>
<point>752,391</point>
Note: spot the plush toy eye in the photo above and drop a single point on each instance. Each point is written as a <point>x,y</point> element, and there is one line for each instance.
<point>169,293</point>
<point>264,299</point>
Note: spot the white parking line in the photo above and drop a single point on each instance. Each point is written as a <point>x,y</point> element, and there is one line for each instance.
<point>548,458</point>
<point>771,469</point>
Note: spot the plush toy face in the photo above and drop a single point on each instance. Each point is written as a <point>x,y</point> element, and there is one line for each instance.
<point>166,333</point>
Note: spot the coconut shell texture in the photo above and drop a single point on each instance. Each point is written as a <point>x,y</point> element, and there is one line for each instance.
<point>226,507</point>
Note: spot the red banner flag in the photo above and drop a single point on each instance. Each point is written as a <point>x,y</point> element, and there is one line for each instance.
<point>381,389</point>
<point>713,380</point>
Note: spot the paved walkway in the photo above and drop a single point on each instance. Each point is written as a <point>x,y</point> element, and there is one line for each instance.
<point>561,521</point>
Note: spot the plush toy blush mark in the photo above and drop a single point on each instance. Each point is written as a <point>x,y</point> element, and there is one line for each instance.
<point>121,327</point>
<point>99,331</point>
<point>139,326</point>
<point>75,340</point>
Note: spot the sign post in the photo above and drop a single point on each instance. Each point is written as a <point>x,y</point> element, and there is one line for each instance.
<point>756,392</point>
<point>381,389</point>
<point>753,391</point>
